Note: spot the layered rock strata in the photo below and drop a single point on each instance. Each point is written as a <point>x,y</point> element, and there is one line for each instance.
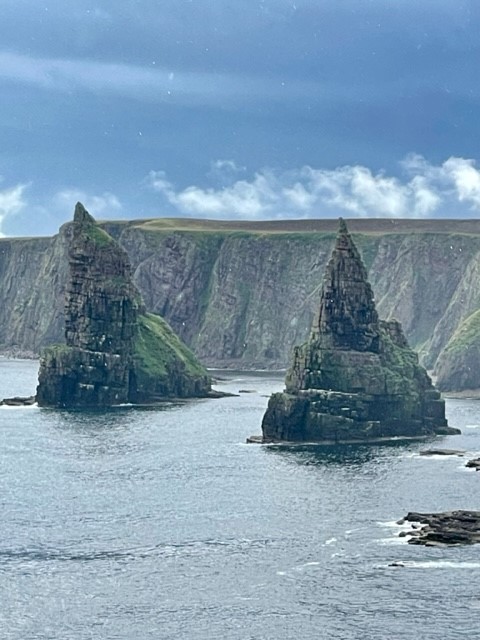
<point>114,351</point>
<point>241,294</point>
<point>356,378</point>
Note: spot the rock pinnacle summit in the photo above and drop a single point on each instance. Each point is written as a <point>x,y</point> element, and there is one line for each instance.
<point>114,351</point>
<point>355,379</point>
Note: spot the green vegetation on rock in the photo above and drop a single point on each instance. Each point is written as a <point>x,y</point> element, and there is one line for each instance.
<point>114,353</point>
<point>457,367</point>
<point>194,273</point>
<point>163,365</point>
<point>356,378</point>
<point>156,346</point>
<point>100,237</point>
<point>466,335</point>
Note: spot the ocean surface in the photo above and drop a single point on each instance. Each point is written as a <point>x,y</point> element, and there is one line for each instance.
<point>162,524</point>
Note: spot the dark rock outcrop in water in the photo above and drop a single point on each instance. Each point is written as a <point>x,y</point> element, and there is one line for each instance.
<point>444,529</point>
<point>356,378</point>
<point>114,351</point>
<point>474,463</point>
<point>18,401</point>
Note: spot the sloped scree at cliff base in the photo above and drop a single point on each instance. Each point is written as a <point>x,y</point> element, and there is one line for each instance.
<point>356,379</point>
<point>114,352</point>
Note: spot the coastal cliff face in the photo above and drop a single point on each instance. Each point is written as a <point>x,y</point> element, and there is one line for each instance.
<point>243,295</point>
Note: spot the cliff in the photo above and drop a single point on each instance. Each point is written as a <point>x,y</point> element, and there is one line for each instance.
<point>457,367</point>
<point>114,352</point>
<point>242,294</point>
<point>355,379</point>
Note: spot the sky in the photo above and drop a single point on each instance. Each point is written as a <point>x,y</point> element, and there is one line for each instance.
<point>238,109</point>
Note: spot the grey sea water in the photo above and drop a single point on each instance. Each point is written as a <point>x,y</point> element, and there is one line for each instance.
<point>146,524</point>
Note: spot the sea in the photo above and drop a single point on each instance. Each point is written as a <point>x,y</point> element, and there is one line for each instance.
<point>164,524</point>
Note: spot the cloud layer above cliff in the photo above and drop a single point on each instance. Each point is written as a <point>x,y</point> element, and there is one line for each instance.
<point>328,96</point>
<point>425,190</point>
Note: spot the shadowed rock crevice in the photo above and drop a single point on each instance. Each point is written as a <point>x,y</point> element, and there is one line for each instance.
<point>114,351</point>
<point>356,378</point>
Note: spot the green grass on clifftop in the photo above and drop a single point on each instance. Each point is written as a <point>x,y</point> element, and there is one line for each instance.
<point>100,237</point>
<point>157,347</point>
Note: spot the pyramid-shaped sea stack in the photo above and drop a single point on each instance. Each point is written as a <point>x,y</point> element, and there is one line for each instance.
<point>114,352</point>
<point>356,379</point>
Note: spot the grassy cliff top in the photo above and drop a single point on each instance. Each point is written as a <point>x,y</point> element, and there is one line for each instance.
<point>374,226</point>
<point>366,226</point>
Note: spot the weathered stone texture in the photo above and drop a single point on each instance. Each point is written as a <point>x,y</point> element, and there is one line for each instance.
<point>356,378</point>
<point>114,352</point>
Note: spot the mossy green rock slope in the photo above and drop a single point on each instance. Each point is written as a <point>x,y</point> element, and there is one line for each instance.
<point>163,366</point>
<point>114,352</point>
<point>457,368</point>
<point>356,379</point>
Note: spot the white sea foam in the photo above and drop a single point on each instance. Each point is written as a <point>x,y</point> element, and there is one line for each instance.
<point>297,569</point>
<point>392,542</point>
<point>23,407</point>
<point>393,524</point>
<point>330,541</point>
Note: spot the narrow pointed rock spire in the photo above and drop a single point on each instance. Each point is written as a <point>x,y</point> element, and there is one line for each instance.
<point>356,379</point>
<point>347,309</point>
<point>114,352</point>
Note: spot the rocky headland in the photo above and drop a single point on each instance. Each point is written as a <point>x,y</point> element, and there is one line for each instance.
<point>356,378</point>
<point>242,294</point>
<point>114,351</point>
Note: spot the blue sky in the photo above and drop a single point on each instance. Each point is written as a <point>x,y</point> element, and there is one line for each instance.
<point>238,109</point>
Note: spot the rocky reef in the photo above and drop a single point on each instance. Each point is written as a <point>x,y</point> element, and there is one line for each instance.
<point>356,378</point>
<point>450,528</point>
<point>114,352</point>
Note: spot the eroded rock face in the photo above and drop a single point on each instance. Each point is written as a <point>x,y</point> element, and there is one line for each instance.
<point>356,378</point>
<point>114,351</point>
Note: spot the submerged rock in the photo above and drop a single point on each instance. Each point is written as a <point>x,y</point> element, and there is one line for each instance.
<point>448,528</point>
<point>356,378</point>
<point>115,352</point>
<point>474,464</point>
<point>18,401</point>
<point>442,452</point>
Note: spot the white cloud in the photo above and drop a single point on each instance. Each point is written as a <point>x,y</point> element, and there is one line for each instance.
<point>230,166</point>
<point>457,179</point>
<point>306,192</point>
<point>466,179</point>
<point>11,202</point>
<point>105,204</point>
<point>242,199</point>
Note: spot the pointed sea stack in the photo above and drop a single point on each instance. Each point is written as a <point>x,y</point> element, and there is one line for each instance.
<point>356,379</point>
<point>114,351</point>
